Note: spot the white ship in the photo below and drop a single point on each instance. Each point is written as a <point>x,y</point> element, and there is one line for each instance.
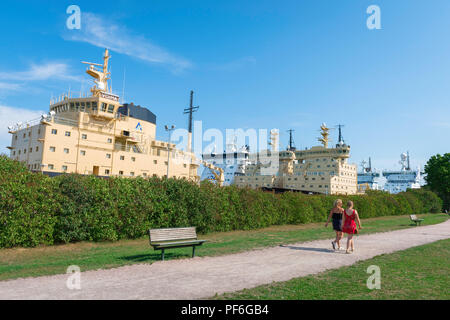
<point>368,177</point>
<point>399,181</point>
<point>232,161</point>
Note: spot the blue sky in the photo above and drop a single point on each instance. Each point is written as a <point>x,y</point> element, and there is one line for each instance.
<point>252,64</point>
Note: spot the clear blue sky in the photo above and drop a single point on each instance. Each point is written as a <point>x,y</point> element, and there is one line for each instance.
<point>252,64</point>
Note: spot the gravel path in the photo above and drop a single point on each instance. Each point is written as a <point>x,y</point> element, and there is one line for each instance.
<point>203,277</point>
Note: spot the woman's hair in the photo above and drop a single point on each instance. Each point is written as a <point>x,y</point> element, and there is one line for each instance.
<point>336,202</point>
<point>349,203</point>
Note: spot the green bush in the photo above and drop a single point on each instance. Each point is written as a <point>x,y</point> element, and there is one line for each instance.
<point>35,209</point>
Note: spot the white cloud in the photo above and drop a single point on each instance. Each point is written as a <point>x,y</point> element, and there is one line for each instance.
<point>47,71</point>
<point>10,116</point>
<point>235,64</point>
<point>9,86</point>
<point>106,34</point>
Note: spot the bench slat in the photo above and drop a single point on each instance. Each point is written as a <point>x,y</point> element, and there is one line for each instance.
<point>157,235</point>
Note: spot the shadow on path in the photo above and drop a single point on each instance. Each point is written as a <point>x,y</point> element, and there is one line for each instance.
<point>308,249</point>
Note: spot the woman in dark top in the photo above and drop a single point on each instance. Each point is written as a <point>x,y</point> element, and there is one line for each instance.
<point>336,216</point>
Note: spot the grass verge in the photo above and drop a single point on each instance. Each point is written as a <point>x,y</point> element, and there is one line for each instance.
<point>405,275</point>
<point>48,260</point>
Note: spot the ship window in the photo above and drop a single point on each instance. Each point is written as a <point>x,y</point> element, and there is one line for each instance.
<point>77,106</point>
<point>66,150</point>
<point>104,106</point>
<point>184,165</point>
<point>155,161</point>
<point>54,131</point>
<point>111,108</point>
<point>122,157</point>
<point>88,105</point>
<point>106,171</point>
<point>84,136</point>
<point>37,149</point>
<point>64,168</point>
<point>72,106</point>
<point>51,167</point>
<point>132,174</point>
<point>94,106</point>
<point>83,152</point>
<point>108,156</point>
<point>82,106</point>
<point>67,133</point>
<point>31,150</point>
<point>52,149</point>
<point>109,140</point>
<point>121,173</point>
<point>133,159</point>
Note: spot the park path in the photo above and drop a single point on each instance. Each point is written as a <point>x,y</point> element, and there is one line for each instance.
<point>203,277</point>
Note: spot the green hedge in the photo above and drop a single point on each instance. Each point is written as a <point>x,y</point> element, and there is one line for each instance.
<point>36,209</point>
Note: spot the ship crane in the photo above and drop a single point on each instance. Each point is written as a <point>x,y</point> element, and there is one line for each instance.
<point>218,173</point>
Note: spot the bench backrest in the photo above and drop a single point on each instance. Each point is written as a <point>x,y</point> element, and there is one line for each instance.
<point>413,217</point>
<point>172,234</point>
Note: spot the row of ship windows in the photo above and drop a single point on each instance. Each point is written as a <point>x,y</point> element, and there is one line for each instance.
<point>84,106</point>
<point>25,151</point>
<point>303,186</point>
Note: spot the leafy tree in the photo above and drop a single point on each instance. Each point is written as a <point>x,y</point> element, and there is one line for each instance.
<point>438,177</point>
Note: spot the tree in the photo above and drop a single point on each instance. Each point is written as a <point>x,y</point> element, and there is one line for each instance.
<point>438,177</point>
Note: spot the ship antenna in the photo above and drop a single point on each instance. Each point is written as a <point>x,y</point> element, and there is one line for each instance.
<point>190,111</point>
<point>370,165</point>
<point>291,140</point>
<point>408,168</point>
<point>341,138</point>
<point>123,85</point>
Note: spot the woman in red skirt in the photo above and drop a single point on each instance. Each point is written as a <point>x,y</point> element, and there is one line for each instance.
<point>349,225</point>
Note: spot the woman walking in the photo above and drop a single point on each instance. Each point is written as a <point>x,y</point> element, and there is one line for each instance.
<point>350,215</point>
<point>336,216</point>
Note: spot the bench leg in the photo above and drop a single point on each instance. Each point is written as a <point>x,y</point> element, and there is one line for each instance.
<point>162,254</point>
<point>193,251</point>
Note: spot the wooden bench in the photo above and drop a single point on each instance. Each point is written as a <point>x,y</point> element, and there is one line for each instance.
<point>170,238</point>
<point>415,219</point>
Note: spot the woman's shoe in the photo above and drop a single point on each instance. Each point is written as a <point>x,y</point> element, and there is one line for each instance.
<point>347,251</point>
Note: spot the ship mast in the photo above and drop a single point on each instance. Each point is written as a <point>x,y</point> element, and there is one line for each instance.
<point>324,131</point>
<point>101,77</point>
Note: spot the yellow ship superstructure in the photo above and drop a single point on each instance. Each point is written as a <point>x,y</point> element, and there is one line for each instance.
<point>98,135</point>
<point>318,170</point>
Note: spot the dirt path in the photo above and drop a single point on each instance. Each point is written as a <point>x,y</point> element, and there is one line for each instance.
<point>204,277</point>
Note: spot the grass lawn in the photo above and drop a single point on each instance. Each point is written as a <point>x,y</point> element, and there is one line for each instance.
<point>47,260</point>
<point>416,273</point>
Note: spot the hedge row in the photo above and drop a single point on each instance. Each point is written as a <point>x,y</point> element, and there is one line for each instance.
<point>36,209</point>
